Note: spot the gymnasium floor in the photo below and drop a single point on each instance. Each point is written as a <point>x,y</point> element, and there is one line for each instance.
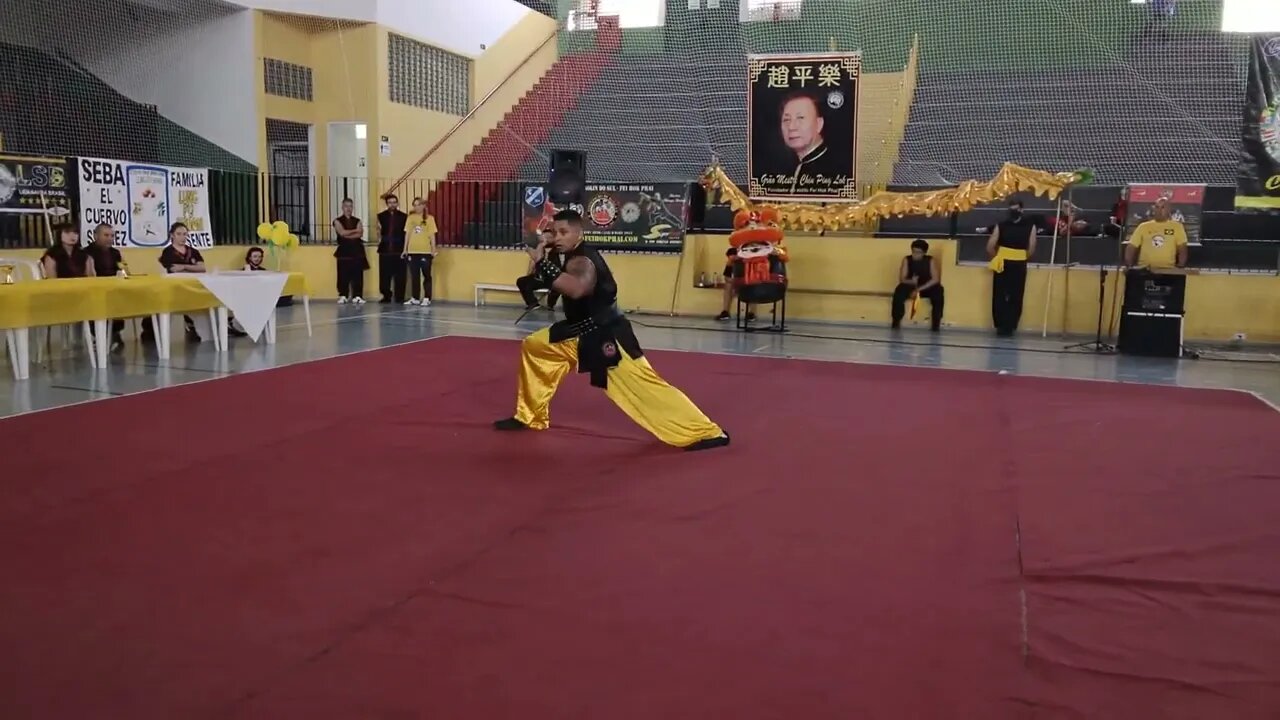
<point>339,330</point>
<point>891,535</point>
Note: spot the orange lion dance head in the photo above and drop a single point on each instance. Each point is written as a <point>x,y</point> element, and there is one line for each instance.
<point>760,255</point>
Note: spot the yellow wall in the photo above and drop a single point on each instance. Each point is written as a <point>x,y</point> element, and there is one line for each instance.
<point>1218,306</point>
<point>500,67</point>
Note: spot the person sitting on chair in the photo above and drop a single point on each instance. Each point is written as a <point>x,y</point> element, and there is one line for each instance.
<point>729,289</point>
<point>919,275</point>
<point>529,284</point>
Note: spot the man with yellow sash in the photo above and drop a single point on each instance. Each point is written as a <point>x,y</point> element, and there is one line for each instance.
<point>1011,244</point>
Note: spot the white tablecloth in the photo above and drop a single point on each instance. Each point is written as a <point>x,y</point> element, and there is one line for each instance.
<point>250,296</point>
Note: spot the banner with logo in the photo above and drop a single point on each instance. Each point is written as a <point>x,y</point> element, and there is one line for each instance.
<point>31,190</point>
<point>802,123</point>
<point>1186,205</point>
<point>1258,181</point>
<point>142,200</point>
<point>647,218</point>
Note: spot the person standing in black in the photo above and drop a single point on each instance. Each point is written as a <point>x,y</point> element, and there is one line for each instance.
<point>1010,246</point>
<point>106,263</point>
<point>391,263</point>
<point>919,275</point>
<point>352,262</point>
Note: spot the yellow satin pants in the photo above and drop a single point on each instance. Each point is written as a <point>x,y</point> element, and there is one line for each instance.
<point>645,397</point>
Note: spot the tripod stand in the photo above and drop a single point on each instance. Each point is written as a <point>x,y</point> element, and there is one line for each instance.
<point>1096,345</point>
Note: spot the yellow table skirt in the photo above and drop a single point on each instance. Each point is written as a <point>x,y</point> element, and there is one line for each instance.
<point>63,301</point>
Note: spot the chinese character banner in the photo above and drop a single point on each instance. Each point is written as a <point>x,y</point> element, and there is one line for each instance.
<point>1258,180</point>
<point>648,218</point>
<point>802,120</point>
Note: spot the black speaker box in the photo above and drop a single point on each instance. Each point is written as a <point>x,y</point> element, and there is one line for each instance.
<point>567,181</point>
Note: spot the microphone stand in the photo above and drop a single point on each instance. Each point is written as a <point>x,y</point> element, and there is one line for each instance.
<point>1096,345</point>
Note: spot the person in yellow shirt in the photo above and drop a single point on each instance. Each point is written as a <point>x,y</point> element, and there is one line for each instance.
<point>1159,242</point>
<point>420,251</point>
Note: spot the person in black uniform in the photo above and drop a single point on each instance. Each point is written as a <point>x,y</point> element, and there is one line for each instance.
<point>350,256</point>
<point>529,284</point>
<point>597,338</point>
<point>392,275</point>
<point>106,263</point>
<point>1010,246</point>
<point>919,275</point>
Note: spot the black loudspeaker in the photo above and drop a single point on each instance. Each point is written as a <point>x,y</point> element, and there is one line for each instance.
<point>1151,334</point>
<point>567,181</point>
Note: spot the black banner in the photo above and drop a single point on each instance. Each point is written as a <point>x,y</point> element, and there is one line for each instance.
<point>646,218</point>
<point>31,189</point>
<point>1258,183</point>
<point>802,122</point>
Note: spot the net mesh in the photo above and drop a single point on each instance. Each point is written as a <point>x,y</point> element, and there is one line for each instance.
<point>1140,92</point>
<point>86,78</point>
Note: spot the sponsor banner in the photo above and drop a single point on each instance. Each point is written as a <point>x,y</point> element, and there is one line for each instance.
<point>1258,180</point>
<point>802,122</point>
<point>31,190</point>
<point>618,216</point>
<point>1186,204</point>
<point>141,201</point>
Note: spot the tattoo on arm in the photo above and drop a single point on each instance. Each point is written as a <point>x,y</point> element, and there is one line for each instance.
<point>583,271</point>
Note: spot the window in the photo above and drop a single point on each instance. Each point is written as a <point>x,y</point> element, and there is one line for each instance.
<point>769,10</point>
<point>1251,16</point>
<point>631,13</point>
<point>427,77</point>
<point>286,79</point>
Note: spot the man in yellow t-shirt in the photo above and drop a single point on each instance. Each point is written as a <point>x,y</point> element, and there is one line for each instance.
<point>1158,243</point>
<point>420,251</point>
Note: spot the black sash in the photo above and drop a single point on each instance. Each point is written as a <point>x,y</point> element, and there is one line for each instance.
<point>601,341</point>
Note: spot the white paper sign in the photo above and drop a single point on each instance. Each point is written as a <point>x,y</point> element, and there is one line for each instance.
<point>140,201</point>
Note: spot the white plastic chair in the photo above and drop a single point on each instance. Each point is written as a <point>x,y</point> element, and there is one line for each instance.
<point>32,272</point>
<point>67,330</point>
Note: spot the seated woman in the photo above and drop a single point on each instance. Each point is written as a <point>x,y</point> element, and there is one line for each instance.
<point>178,257</point>
<point>729,289</point>
<point>65,258</point>
<point>919,275</point>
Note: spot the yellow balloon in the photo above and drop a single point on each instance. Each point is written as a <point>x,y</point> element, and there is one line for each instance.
<point>293,240</point>
<point>264,231</point>
<point>280,224</point>
<point>280,236</point>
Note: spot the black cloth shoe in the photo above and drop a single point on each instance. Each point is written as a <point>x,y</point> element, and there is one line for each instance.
<point>709,443</point>
<point>509,424</point>
<point>724,315</point>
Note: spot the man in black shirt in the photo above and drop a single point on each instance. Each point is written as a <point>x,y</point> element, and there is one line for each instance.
<point>920,275</point>
<point>598,338</point>
<point>391,265</point>
<point>106,263</point>
<point>1010,246</point>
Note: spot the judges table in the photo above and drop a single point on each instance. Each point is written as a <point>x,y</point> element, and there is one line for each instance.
<point>39,303</point>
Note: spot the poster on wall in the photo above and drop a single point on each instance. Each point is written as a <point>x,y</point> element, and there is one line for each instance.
<point>32,189</point>
<point>1186,201</point>
<point>1258,179</point>
<point>802,121</point>
<point>142,200</point>
<point>637,217</point>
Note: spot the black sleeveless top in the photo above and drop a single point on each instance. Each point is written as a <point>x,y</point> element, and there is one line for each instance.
<point>1016,234</point>
<point>72,264</point>
<point>602,300</point>
<point>921,270</point>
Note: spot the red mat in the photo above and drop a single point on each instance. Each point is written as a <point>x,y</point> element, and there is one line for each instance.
<point>349,539</point>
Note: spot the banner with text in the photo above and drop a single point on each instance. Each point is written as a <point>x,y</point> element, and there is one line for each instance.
<point>1258,180</point>
<point>1186,204</point>
<point>31,190</point>
<point>650,218</point>
<point>141,201</point>
<point>802,122</point>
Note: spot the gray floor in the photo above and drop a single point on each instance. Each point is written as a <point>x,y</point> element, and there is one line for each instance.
<point>67,377</point>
